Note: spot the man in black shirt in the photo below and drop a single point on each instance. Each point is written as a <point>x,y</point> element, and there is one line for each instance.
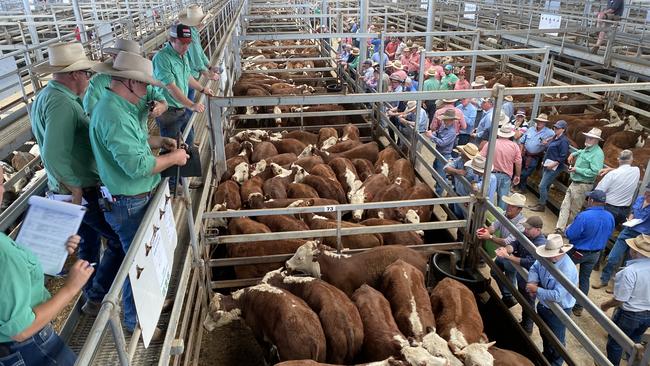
<point>614,11</point>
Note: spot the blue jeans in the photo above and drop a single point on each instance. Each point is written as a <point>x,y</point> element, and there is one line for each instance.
<point>125,218</point>
<point>587,263</point>
<point>548,176</point>
<point>503,188</point>
<point>633,324</point>
<point>44,348</point>
<point>526,321</point>
<point>529,165</point>
<point>617,254</point>
<point>620,213</point>
<point>188,112</point>
<point>439,166</point>
<point>558,328</point>
<point>93,227</point>
<point>509,271</point>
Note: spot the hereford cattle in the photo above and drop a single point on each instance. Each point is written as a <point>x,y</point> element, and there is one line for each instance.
<point>226,196</point>
<point>252,192</point>
<point>276,187</point>
<point>327,136</point>
<point>262,151</point>
<point>417,214</point>
<point>317,222</point>
<point>368,191</point>
<point>386,158</point>
<point>393,192</point>
<point>282,159</point>
<point>236,169</point>
<point>338,316</point>
<point>300,190</point>
<point>350,132</point>
<point>346,174</point>
<point>364,168</point>
<point>285,202</point>
<point>367,151</point>
<point>232,149</point>
<point>402,173</point>
<point>404,288</point>
<point>305,137</point>
<point>396,237</point>
<point>340,147</point>
<point>504,357</point>
<point>382,337</point>
<point>289,146</point>
<point>316,121</point>
<point>274,316</point>
<point>308,163</point>
<point>325,188</point>
<point>387,362</point>
<point>323,170</point>
<point>457,318</point>
<point>438,346</point>
<point>279,223</point>
<point>349,272</point>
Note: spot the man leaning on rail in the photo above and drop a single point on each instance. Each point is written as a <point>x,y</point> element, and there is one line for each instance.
<point>122,149</point>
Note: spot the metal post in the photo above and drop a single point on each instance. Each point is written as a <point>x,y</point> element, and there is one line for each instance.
<point>475,46</point>
<point>32,29</point>
<point>338,231</point>
<point>363,46</point>
<point>118,336</point>
<point>540,82</point>
<point>414,133</point>
<point>80,21</point>
<point>430,17</point>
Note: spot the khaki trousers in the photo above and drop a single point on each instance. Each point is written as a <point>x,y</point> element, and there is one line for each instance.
<point>572,203</point>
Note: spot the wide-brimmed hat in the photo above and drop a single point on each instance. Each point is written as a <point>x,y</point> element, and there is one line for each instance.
<point>192,16</point>
<point>65,57</point>
<point>533,221</point>
<point>432,72</point>
<point>448,67</point>
<point>594,133</point>
<point>126,45</point>
<point>508,98</point>
<point>449,114</point>
<point>641,244</point>
<point>479,81</point>
<point>561,124</point>
<point>470,150</point>
<point>542,117</point>
<point>515,199</point>
<point>396,77</point>
<point>396,65</point>
<point>503,119</point>
<point>131,66</point>
<point>355,51</point>
<point>554,246</point>
<point>410,105</point>
<point>477,163</point>
<point>506,131</point>
<point>450,100</point>
<point>406,49</point>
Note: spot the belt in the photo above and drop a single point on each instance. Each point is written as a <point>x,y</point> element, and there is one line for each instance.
<point>578,182</point>
<point>586,251</point>
<point>140,195</point>
<point>526,153</point>
<point>500,172</point>
<point>607,204</point>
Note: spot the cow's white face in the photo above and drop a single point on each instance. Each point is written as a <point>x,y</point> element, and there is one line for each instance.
<point>241,173</point>
<point>218,315</point>
<point>357,197</point>
<point>417,355</point>
<point>278,120</point>
<point>279,170</point>
<point>437,346</point>
<point>258,168</point>
<point>305,260</point>
<point>413,217</point>
<point>476,354</point>
<point>385,169</point>
<point>307,152</point>
<point>301,173</point>
<point>329,143</point>
<point>352,181</point>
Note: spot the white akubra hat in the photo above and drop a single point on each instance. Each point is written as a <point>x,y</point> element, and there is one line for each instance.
<point>641,244</point>
<point>193,16</point>
<point>478,81</point>
<point>508,98</point>
<point>410,105</point>
<point>506,131</point>
<point>126,45</point>
<point>554,246</point>
<point>477,163</point>
<point>131,66</point>
<point>65,57</point>
<point>594,133</point>
<point>515,199</point>
<point>503,120</point>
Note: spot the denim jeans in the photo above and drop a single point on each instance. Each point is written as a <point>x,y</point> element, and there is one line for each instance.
<point>548,176</point>
<point>618,253</point>
<point>44,348</point>
<point>587,263</point>
<point>439,166</point>
<point>188,112</point>
<point>509,271</point>
<point>558,328</point>
<point>528,168</point>
<point>93,227</point>
<point>125,218</point>
<point>633,324</point>
<point>503,188</point>
<point>620,213</point>
<point>526,321</point>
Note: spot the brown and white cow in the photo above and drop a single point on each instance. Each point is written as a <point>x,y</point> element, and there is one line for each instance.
<point>457,318</point>
<point>226,197</point>
<point>288,145</point>
<point>325,187</point>
<point>279,223</point>
<point>402,173</point>
<point>327,136</point>
<point>300,190</point>
<point>504,357</point>
<point>341,146</point>
<point>393,192</point>
<point>252,192</point>
<point>263,150</point>
<point>349,272</point>
<point>323,170</point>
<point>367,151</point>
<point>417,214</point>
<point>385,160</point>
<point>396,237</point>
<point>236,169</point>
<point>232,149</point>
<point>282,159</point>
<point>307,138</point>
<point>274,315</point>
<point>358,241</point>
<point>350,132</point>
<point>404,288</point>
<point>367,193</point>
<point>364,168</point>
<point>338,316</point>
<point>308,163</point>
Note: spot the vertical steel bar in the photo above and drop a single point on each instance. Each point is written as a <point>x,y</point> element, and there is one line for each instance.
<point>339,248</point>
<point>476,41</point>
<point>80,21</point>
<point>363,46</point>
<point>430,18</point>
<point>118,337</point>
<point>540,82</point>
<point>33,34</point>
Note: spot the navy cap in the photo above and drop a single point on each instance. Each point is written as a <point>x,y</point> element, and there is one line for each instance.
<point>560,124</point>
<point>597,195</point>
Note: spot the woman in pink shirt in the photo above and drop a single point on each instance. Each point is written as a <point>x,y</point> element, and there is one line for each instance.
<point>462,82</point>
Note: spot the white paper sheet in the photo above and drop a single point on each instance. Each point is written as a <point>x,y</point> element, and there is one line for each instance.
<point>632,223</point>
<point>551,164</point>
<point>47,227</point>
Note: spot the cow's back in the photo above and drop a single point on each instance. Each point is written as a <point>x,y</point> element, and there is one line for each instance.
<point>504,357</point>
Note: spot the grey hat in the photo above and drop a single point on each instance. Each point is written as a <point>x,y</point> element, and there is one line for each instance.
<point>533,221</point>
<point>561,124</point>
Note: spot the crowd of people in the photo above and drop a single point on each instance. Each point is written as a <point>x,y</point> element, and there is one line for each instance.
<point>97,151</point>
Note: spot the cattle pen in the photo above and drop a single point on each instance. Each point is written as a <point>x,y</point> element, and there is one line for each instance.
<point>499,37</point>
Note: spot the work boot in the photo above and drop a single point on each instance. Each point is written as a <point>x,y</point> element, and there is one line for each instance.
<point>598,286</point>
<point>91,308</point>
<point>509,301</point>
<point>528,328</point>
<point>537,208</point>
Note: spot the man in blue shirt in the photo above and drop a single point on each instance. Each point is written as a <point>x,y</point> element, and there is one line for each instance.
<point>482,131</point>
<point>469,111</point>
<point>444,138</point>
<point>456,167</point>
<point>543,286</point>
<point>638,223</point>
<point>533,144</point>
<point>556,154</point>
<point>589,234</point>
<point>508,106</point>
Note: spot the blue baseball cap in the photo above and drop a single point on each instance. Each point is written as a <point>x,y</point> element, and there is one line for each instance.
<point>449,67</point>
<point>597,195</point>
<point>561,124</point>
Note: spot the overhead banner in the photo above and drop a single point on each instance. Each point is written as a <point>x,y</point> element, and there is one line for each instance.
<point>470,11</point>
<point>550,21</point>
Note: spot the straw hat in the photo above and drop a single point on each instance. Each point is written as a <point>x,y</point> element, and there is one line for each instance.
<point>506,131</point>
<point>508,98</point>
<point>641,244</point>
<point>355,51</point>
<point>396,65</point>
<point>515,199</point>
<point>192,16</point>
<point>594,133</point>
<point>477,163</point>
<point>450,100</point>
<point>479,81</point>
<point>542,117</point>
<point>65,57</point>
<point>131,66</point>
<point>470,150</point>
<point>410,105</point>
<point>431,72</point>
<point>449,114</point>
<point>554,246</point>
<point>126,45</point>
<point>503,119</point>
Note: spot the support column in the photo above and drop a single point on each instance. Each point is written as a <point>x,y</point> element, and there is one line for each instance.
<point>363,20</point>
<point>430,18</point>
<point>80,21</point>
<point>540,82</point>
<point>32,29</point>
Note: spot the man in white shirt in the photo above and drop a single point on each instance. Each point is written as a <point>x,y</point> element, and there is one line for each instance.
<point>619,186</point>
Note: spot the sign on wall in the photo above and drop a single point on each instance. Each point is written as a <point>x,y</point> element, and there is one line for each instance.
<point>470,7</point>
<point>550,21</point>
<point>151,270</point>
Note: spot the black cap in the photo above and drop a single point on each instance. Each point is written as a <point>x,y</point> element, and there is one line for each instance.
<point>181,31</point>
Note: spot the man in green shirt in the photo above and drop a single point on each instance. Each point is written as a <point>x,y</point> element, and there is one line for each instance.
<point>60,126</point>
<point>449,80</point>
<point>122,148</point>
<point>99,82</point>
<point>432,83</point>
<point>584,168</point>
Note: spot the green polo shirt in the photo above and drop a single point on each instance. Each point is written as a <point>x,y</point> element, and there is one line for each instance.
<point>431,84</point>
<point>445,80</point>
<point>198,60</point>
<point>21,289</point>
<point>171,68</point>
<point>60,126</point>
<point>589,162</point>
<point>121,147</point>
<point>97,86</point>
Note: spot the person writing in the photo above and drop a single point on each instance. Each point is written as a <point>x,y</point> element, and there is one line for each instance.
<point>27,308</point>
